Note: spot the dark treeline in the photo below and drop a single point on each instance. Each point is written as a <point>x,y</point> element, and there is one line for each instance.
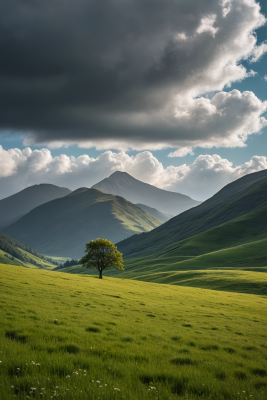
<point>12,247</point>
<point>68,263</point>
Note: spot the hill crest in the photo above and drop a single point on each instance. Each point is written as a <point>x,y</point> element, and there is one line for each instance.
<point>24,201</point>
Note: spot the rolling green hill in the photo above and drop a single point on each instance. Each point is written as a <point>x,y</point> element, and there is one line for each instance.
<point>15,206</point>
<point>63,226</point>
<point>238,199</point>
<point>222,239</point>
<point>123,184</point>
<point>77,337</point>
<point>238,269</point>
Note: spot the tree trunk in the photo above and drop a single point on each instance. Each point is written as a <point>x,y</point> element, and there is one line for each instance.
<point>100,274</point>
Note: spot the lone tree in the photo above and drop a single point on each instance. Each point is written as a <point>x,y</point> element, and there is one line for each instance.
<point>102,254</point>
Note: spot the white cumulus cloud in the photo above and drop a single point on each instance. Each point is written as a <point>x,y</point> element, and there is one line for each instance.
<point>200,179</point>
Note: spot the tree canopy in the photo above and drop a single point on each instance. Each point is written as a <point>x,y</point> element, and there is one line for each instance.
<point>102,254</point>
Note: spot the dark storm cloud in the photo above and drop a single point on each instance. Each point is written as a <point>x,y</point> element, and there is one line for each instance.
<point>86,71</point>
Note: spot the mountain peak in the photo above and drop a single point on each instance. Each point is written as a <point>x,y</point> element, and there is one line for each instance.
<point>123,184</point>
<point>120,174</point>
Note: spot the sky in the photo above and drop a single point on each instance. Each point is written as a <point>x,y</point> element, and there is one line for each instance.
<point>173,92</point>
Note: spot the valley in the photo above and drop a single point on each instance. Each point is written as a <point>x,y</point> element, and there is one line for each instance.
<point>185,320</point>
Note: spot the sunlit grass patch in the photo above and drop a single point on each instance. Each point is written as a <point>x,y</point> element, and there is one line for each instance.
<point>93,350</point>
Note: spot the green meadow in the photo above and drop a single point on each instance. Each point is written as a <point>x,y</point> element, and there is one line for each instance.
<point>78,337</point>
<point>241,268</point>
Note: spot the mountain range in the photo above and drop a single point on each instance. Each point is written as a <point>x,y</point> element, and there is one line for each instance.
<point>14,207</point>
<point>63,226</point>
<point>123,184</point>
<point>56,221</point>
<point>204,246</point>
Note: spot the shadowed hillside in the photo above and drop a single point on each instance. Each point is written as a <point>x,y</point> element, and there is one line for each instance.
<point>238,199</point>
<point>22,202</point>
<point>16,253</point>
<point>63,226</point>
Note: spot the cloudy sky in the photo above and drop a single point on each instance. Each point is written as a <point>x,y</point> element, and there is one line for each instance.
<point>173,92</point>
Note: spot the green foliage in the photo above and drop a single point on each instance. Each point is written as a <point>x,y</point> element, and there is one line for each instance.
<point>67,264</point>
<point>102,254</point>
<point>130,351</point>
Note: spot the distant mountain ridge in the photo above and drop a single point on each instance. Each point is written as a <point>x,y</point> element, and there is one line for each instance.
<point>123,184</point>
<point>155,213</point>
<point>63,226</point>
<point>24,201</point>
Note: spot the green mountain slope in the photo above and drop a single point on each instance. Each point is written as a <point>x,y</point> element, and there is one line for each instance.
<point>215,259</point>
<point>155,213</point>
<point>16,253</point>
<point>123,184</point>
<point>22,202</point>
<point>244,196</point>
<point>62,227</point>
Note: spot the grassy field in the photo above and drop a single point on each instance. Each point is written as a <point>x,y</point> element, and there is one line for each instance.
<point>79,337</point>
<point>239,269</point>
